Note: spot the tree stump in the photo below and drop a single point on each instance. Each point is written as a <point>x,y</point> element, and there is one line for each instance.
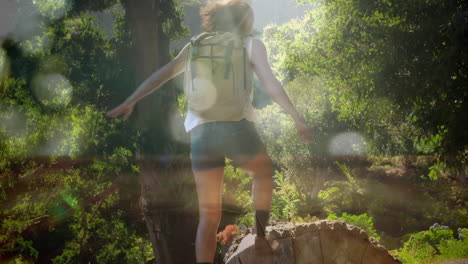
<point>321,242</point>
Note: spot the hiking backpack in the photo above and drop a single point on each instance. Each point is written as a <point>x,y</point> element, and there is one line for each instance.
<point>218,77</point>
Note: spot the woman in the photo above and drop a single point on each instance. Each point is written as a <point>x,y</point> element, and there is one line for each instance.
<point>213,140</point>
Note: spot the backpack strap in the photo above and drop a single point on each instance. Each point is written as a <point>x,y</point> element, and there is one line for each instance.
<point>245,68</point>
<point>194,45</point>
<point>195,41</point>
<point>248,43</point>
<point>228,58</point>
<point>247,50</point>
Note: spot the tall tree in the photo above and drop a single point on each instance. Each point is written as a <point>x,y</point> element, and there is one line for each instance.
<point>96,67</point>
<point>149,51</point>
<point>151,25</point>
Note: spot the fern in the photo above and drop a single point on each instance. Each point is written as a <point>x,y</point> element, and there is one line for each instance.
<point>347,172</point>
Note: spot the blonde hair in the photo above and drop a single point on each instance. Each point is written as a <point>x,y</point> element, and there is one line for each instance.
<point>228,16</point>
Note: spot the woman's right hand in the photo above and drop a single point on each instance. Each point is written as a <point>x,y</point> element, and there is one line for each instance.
<point>124,109</point>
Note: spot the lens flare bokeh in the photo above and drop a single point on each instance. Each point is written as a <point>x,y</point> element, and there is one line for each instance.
<point>349,143</point>
<point>12,121</point>
<point>65,138</point>
<point>3,62</point>
<point>205,92</point>
<point>69,199</point>
<point>52,89</point>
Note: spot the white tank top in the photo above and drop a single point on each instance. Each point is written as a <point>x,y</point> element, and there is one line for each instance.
<point>192,120</point>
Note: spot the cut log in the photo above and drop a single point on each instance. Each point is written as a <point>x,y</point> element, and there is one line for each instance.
<point>321,242</point>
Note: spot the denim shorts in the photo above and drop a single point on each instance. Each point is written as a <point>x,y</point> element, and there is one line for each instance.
<point>212,142</point>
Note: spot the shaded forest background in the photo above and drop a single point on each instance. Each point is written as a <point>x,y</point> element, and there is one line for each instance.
<point>383,84</point>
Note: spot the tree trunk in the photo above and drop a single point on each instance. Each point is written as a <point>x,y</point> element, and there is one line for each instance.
<point>170,219</point>
<point>150,51</point>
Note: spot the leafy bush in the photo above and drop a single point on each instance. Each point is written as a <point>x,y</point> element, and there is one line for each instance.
<point>362,221</point>
<point>285,147</point>
<point>112,241</point>
<point>343,196</point>
<point>239,195</point>
<point>286,198</point>
<point>278,131</point>
<point>455,248</point>
<point>434,245</point>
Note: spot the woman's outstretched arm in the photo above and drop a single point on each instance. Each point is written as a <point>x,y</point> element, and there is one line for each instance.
<point>274,89</point>
<point>151,84</point>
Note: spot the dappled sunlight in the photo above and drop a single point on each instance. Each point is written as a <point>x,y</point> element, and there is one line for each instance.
<point>38,44</point>
<point>55,8</point>
<point>54,147</point>
<point>52,89</point>
<point>65,138</point>
<point>271,123</point>
<point>349,143</point>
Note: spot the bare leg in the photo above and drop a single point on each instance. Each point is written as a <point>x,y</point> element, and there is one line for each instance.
<point>260,168</point>
<point>209,188</point>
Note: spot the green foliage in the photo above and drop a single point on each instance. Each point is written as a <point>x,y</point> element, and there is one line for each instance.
<point>182,105</point>
<point>246,219</point>
<point>455,249</point>
<point>278,130</point>
<point>362,221</point>
<point>173,17</point>
<point>236,189</point>
<point>437,170</point>
<point>387,66</point>
<point>284,43</point>
<point>414,202</point>
<point>343,196</point>
<point>434,246</point>
<point>27,249</point>
<point>286,199</point>
<point>56,88</point>
<point>104,241</point>
<point>306,219</point>
<point>347,172</point>
<point>402,209</point>
<point>77,7</point>
<point>431,143</point>
<point>62,199</point>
